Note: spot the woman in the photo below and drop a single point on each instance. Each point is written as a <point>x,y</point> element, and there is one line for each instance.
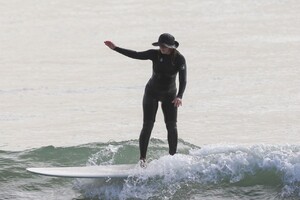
<point>167,62</point>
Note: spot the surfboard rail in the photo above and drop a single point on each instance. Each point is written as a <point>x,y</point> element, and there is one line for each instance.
<point>99,171</point>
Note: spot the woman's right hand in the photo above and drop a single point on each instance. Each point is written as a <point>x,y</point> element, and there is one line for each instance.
<point>110,44</point>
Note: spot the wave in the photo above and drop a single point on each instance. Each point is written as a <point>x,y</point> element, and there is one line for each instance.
<point>230,170</point>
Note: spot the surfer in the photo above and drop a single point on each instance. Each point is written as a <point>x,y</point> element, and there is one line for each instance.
<point>167,61</point>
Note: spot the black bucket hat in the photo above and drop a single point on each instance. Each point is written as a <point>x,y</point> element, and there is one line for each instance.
<point>167,40</point>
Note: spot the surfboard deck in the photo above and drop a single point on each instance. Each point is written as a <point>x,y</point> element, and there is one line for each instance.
<point>101,171</point>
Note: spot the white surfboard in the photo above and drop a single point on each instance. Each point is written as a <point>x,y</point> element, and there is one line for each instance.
<point>101,171</point>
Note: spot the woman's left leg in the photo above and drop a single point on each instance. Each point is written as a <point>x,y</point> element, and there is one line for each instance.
<point>170,115</point>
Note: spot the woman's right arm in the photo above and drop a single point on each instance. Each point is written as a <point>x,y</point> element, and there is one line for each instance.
<point>143,55</point>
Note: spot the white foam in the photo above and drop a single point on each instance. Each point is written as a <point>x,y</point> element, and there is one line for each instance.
<point>230,163</point>
<point>214,164</point>
<point>104,156</point>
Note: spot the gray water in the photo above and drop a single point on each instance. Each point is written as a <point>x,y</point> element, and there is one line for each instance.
<point>211,172</point>
<point>61,87</point>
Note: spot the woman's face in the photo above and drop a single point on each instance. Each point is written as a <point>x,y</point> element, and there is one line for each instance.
<point>165,50</point>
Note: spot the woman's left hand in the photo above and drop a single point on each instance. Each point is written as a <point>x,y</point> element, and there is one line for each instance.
<point>177,102</point>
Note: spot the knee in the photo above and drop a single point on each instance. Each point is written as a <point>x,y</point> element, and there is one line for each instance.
<point>148,125</point>
<point>171,126</point>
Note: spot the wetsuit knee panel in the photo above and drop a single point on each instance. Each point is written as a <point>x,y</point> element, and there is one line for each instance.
<point>148,125</point>
<point>171,125</point>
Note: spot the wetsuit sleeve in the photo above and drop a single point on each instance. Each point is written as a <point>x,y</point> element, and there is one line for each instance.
<point>182,78</point>
<point>143,55</point>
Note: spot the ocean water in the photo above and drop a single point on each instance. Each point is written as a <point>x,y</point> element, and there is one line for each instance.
<point>210,172</point>
<point>68,100</point>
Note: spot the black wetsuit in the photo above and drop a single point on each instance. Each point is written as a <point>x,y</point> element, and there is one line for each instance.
<point>160,87</point>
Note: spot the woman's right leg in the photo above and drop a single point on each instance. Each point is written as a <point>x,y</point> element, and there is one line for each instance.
<point>150,106</point>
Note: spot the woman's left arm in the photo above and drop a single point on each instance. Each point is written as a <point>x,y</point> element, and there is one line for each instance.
<point>182,84</point>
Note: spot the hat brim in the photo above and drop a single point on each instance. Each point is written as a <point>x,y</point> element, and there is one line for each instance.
<point>176,44</point>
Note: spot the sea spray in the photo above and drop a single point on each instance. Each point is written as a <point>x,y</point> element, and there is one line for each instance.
<point>278,164</point>
<point>216,166</point>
